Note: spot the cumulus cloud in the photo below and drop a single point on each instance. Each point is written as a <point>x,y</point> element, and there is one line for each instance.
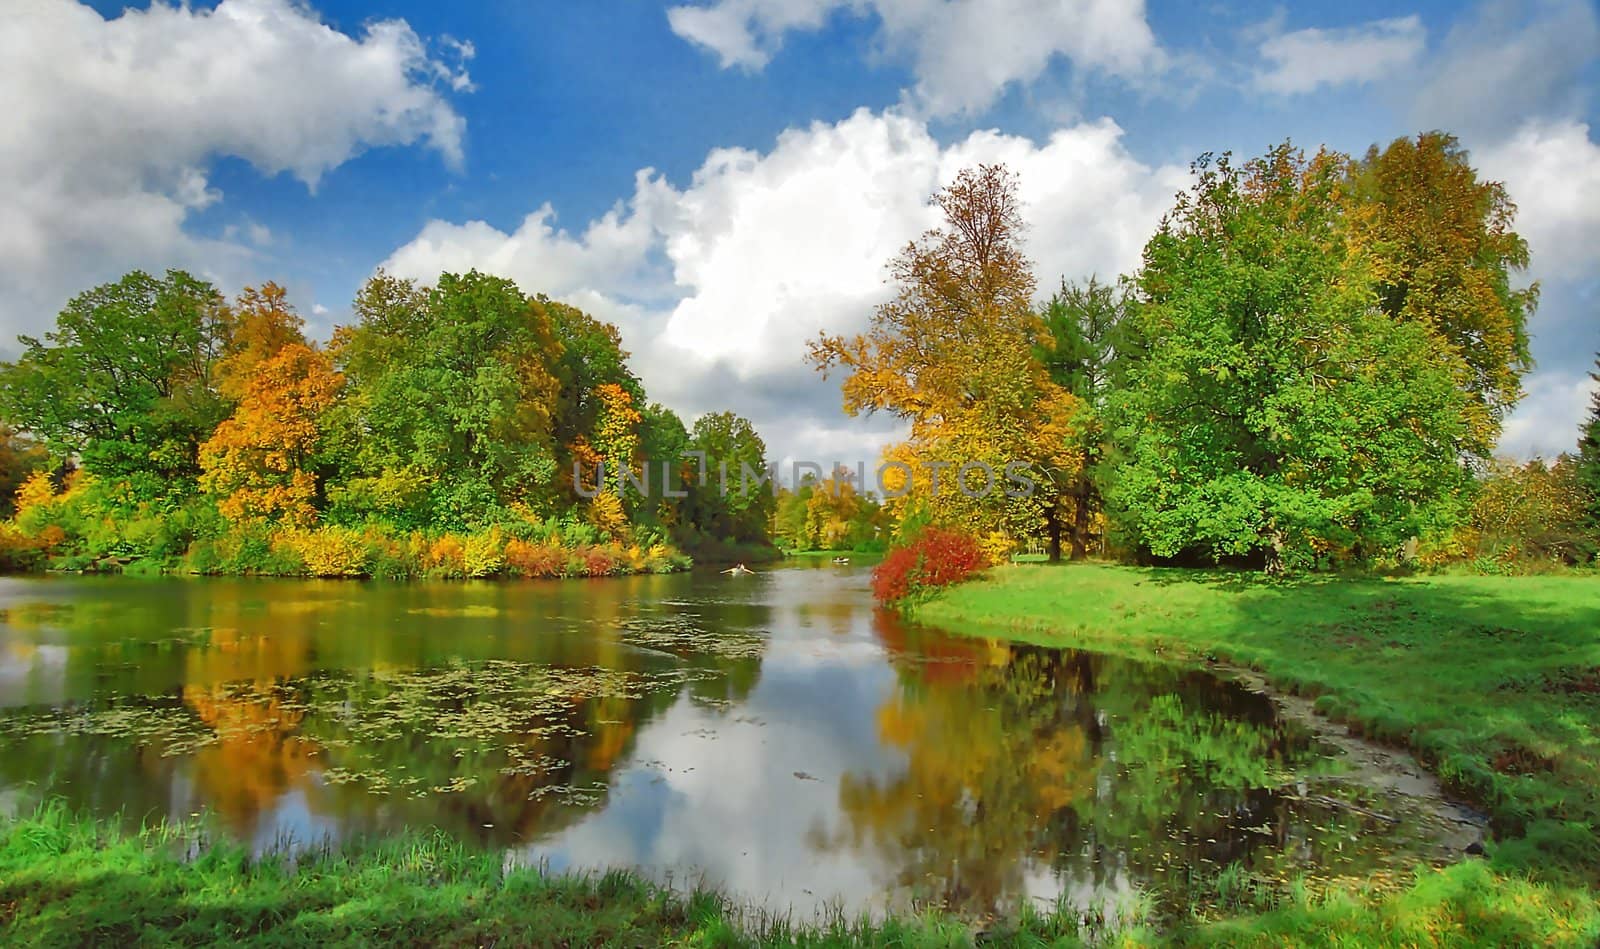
<point>1552,172</point>
<point>963,53</point>
<point>1304,60</point>
<point>1509,60</point>
<point>110,126</point>
<point>1547,422</point>
<point>726,278</point>
<point>1551,169</point>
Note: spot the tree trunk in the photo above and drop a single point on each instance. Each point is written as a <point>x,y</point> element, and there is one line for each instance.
<point>1052,520</point>
<point>1080,519</point>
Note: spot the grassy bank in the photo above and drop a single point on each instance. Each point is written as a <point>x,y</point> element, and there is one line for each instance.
<point>1494,682</point>
<point>67,881</point>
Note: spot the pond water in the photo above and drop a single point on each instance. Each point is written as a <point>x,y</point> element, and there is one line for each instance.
<point>773,735</point>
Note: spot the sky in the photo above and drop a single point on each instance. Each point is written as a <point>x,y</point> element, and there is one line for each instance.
<point>725,179</point>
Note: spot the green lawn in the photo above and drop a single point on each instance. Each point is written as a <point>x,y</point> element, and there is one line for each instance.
<point>1494,682</point>
<point>73,881</point>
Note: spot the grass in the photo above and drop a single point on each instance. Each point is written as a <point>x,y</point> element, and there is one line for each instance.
<point>67,880</point>
<point>1493,682</point>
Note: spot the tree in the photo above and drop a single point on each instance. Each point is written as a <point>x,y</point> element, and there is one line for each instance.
<point>1589,456</point>
<point>261,324</point>
<point>454,388</point>
<point>1276,411</point>
<point>1532,511</point>
<point>728,504</point>
<point>20,458</point>
<point>1443,255</point>
<point>124,379</point>
<point>257,463</point>
<point>1091,343</point>
<point>953,354</point>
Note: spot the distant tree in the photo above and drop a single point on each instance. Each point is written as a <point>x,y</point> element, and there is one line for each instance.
<point>1276,411</point>
<point>1532,511</point>
<point>20,458</point>
<point>722,507</point>
<point>1444,255</point>
<point>124,379</point>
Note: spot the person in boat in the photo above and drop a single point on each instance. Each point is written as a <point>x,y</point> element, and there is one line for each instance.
<point>738,570</point>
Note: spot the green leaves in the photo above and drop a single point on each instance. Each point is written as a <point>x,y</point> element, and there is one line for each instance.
<point>124,379</point>
<point>1277,412</point>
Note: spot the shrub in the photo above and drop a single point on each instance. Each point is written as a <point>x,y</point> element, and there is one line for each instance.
<point>535,560</point>
<point>18,551</point>
<point>447,558</point>
<point>326,551</point>
<point>934,558</point>
<point>483,554</point>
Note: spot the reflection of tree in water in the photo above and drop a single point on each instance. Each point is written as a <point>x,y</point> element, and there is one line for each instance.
<point>1021,761</point>
<point>234,715</point>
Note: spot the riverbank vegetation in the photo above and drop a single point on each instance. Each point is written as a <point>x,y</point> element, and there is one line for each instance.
<point>457,430</point>
<point>1308,371</point>
<point>70,881</point>
<point>1491,681</point>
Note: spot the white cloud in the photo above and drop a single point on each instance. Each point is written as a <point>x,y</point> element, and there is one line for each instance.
<point>1304,60</point>
<point>963,53</point>
<point>760,252</point>
<point>1546,422</point>
<point>1552,172</point>
<point>1505,63</point>
<point>109,127</point>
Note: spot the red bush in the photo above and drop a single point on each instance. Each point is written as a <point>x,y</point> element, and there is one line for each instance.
<point>936,558</point>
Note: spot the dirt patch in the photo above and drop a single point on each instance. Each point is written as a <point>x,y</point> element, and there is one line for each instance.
<point>1575,682</point>
<point>1520,760</point>
<point>1398,785</point>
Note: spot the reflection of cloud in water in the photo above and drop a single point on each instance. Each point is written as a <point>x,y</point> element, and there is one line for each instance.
<point>715,796</point>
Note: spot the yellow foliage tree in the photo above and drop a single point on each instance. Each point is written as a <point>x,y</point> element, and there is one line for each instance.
<point>255,462</point>
<point>954,354</point>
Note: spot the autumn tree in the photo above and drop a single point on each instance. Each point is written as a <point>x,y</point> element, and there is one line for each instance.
<point>260,325</point>
<point>1532,511</point>
<point>1277,412</point>
<point>257,463</point>
<point>953,354</point>
<point>20,458</point>
<point>838,515</point>
<point>1443,256</point>
<point>124,379</point>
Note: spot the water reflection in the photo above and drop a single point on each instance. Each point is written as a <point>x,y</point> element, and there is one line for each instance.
<point>774,735</point>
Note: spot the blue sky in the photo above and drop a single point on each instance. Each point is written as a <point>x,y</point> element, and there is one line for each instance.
<point>791,146</point>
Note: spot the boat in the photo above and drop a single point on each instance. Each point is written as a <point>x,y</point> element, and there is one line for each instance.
<point>738,570</point>
<point>841,560</point>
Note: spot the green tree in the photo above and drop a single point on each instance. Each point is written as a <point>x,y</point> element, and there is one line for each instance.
<point>124,381</point>
<point>1443,256</point>
<point>729,505</point>
<point>455,389</point>
<point>1589,456</point>
<point>1277,412</point>
<point>1090,345</point>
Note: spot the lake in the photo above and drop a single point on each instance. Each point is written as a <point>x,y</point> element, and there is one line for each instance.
<point>775,736</point>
